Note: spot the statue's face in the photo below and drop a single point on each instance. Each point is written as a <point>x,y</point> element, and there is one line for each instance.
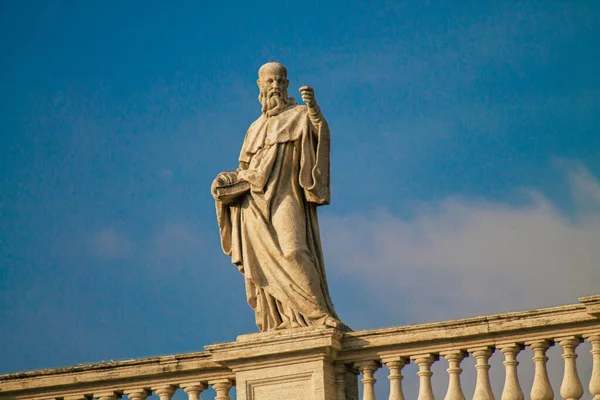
<point>273,85</point>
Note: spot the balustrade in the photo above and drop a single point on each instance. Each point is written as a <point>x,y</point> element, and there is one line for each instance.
<point>222,387</point>
<point>424,344</point>
<point>368,368</point>
<point>541,389</point>
<point>594,339</point>
<point>137,394</point>
<point>454,370</point>
<point>164,392</point>
<point>193,389</point>
<point>424,362</point>
<point>483,388</point>
<point>512,389</point>
<point>571,388</point>
<point>395,365</point>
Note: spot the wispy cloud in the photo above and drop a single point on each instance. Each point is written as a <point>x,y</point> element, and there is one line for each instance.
<point>461,257</point>
<point>110,244</point>
<point>177,243</point>
<point>585,189</point>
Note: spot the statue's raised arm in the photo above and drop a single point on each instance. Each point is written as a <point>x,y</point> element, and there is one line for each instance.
<point>267,208</point>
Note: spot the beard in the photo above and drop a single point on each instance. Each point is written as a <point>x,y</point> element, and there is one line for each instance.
<point>273,102</point>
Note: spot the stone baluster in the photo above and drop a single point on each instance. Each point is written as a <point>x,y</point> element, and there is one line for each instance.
<point>424,362</point>
<point>571,387</point>
<point>222,387</point>
<point>165,392</point>
<point>193,389</point>
<point>137,393</point>
<point>110,395</point>
<point>595,379</point>
<point>541,389</point>
<point>512,388</point>
<point>483,388</point>
<point>454,370</point>
<point>395,365</point>
<point>368,368</point>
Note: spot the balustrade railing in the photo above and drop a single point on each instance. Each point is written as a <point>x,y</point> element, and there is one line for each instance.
<point>508,333</point>
<point>358,354</point>
<point>137,379</point>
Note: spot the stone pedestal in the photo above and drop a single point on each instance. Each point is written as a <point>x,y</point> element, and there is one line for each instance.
<point>289,364</point>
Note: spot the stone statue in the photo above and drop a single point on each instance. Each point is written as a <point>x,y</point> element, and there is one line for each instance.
<point>267,208</point>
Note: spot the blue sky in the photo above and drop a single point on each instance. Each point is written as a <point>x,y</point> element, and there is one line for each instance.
<point>465,163</point>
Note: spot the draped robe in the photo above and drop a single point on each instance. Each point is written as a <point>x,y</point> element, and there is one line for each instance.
<point>272,232</point>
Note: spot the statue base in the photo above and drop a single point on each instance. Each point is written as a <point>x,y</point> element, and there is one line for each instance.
<point>289,364</point>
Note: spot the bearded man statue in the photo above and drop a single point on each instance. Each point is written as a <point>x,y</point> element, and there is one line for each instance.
<point>267,208</point>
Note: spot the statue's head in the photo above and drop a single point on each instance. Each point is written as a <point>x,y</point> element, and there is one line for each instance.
<point>272,84</point>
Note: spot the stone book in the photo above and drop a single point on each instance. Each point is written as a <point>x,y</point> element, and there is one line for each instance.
<point>229,193</point>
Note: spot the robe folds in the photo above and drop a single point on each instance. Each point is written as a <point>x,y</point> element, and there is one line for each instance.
<point>272,232</point>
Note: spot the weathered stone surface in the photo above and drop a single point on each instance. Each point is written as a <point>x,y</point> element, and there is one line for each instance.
<point>267,208</point>
<point>289,364</point>
<point>592,304</point>
<point>323,362</point>
<point>87,379</point>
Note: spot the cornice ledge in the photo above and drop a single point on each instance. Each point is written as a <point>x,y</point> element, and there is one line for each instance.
<point>592,304</point>
<point>260,345</point>
<point>108,365</point>
<point>470,327</point>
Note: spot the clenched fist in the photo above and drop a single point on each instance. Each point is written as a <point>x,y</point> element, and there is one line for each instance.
<point>308,97</point>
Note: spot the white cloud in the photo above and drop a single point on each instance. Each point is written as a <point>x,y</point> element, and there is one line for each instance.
<point>460,257</point>
<point>585,189</point>
<point>109,244</point>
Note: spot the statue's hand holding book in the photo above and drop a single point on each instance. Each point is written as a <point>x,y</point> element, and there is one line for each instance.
<point>228,188</point>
